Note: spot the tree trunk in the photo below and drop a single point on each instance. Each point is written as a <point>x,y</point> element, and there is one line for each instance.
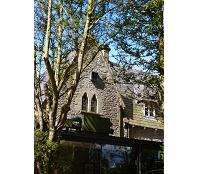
<point>43,166</point>
<point>161,63</point>
<point>57,71</point>
<point>39,114</point>
<point>48,30</point>
<point>37,169</point>
<point>85,34</point>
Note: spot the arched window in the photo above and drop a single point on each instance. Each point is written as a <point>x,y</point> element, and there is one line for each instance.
<point>85,102</point>
<point>94,104</point>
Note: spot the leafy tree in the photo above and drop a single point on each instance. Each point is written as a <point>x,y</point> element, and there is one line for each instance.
<point>65,42</point>
<point>43,151</point>
<point>138,31</point>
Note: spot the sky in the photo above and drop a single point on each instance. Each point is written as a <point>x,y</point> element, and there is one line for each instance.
<point>112,52</point>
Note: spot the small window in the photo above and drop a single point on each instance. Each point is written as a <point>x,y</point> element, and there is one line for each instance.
<point>85,102</point>
<point>94,76</point>
<point>94,104</point>
<point>149,110</point>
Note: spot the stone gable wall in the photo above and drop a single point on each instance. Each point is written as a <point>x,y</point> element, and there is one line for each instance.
<point>104,89</point>
<point>108,102</point>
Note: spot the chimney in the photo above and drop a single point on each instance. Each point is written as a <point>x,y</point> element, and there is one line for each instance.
<point>105,51</point>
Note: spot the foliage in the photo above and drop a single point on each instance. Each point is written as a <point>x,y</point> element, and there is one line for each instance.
<point>141,30</point>
<point>64,45</point>
<point>138,30</point>
<point>43,149</point>
<point>66,40</point>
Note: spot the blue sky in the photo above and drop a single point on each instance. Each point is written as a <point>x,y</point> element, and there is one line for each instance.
<point>112,52</point>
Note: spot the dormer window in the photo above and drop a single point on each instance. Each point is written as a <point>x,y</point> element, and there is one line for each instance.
<point>94,76</point>
<point>85,102</point>
<point>94,104</point>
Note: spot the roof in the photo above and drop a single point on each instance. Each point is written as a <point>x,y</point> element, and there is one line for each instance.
<point>145,122</point>
<point>131,92</point>
<point>127,82</point>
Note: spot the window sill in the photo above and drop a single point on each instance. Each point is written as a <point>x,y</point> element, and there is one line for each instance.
<point>92,113</point>
<point>150,118</point>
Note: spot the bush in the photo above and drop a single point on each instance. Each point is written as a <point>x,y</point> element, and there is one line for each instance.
<point>43,151</point>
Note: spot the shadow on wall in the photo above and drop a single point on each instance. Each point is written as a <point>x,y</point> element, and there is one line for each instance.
<point>128,110</point>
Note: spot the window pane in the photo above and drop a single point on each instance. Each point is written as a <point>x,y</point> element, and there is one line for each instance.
<point>84,102</point>
<point>151,111</point>
<point>94,104</point>
<point>146,110</point>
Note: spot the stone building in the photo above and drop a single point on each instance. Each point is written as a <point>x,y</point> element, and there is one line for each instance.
<point>109,129</point>
<point>98,94</point>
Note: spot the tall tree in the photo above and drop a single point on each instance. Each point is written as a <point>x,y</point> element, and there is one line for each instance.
<point>64,35</point>
<point>138,31</point>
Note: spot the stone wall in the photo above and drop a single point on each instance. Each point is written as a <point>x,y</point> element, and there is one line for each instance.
<point>108,103</point>
<point>104,89</point>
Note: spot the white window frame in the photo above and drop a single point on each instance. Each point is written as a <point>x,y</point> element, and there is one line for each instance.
<point>148,107</point>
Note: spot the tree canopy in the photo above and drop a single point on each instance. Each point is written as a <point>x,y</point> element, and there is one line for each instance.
<point>139,35</point>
